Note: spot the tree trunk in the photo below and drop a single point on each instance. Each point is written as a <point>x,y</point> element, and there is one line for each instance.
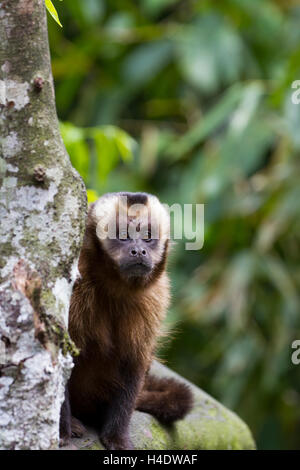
<point>42,213</point>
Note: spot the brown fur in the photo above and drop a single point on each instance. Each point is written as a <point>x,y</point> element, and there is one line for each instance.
<point>116,325</point>
<point>165,398</point>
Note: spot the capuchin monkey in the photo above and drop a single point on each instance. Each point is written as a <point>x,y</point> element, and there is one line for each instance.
<point>116,311</point>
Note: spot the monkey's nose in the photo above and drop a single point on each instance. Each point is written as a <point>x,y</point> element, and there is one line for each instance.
<point>138,251</point>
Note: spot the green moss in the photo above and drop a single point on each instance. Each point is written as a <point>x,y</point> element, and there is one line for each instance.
<point>68,346</point>
<point>95,447</point>
<point>5,252</point>
<point>61,338</point>
<point>211,434</point>
<point>160,437</point>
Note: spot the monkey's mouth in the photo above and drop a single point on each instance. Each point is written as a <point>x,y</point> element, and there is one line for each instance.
<point>137,269</point>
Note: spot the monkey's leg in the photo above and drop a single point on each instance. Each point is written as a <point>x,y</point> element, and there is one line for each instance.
<point>165,398</point>
<point>65,421</point>
<point>115,430</point>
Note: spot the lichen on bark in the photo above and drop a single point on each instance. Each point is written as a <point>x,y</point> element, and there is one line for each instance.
<point>42,214</point>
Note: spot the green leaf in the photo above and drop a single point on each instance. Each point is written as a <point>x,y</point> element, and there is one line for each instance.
<point>210,53</point>
<point>207,124</point>
<point>92,195</point>
<point>125,144</point>
<point>111,143</point>
<point>74,140</point>
<point>146,61</point>
<point>52,10</point>
<point>107,155</point>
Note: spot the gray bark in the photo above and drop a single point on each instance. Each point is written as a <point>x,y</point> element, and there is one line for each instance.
<point>42,212</point>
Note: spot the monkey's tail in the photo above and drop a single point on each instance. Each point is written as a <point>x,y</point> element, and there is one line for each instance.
<point>165,398</point>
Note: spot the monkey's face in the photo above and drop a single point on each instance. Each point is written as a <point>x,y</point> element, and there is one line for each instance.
<point>133,233</point>
<point>134,254</point>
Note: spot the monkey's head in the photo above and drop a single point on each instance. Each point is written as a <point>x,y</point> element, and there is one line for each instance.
<point>132,230</point>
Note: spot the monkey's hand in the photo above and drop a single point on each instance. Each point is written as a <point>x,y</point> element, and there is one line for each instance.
<point>64,441</point>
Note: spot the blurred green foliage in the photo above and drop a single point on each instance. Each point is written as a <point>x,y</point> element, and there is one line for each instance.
<point>202,93</point>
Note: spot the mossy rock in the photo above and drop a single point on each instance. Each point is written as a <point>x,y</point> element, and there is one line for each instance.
<point>208,426</point>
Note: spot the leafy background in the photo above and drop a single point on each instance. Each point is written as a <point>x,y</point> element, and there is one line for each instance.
<point>191,100</point>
